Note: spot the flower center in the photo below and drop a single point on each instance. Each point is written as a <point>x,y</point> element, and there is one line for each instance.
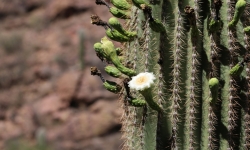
<point>141,80</point>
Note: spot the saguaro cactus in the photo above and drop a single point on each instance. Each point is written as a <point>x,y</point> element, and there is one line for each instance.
<point>185,72</point>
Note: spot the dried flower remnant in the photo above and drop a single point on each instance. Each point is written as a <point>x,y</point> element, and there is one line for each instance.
<point>97,21</point>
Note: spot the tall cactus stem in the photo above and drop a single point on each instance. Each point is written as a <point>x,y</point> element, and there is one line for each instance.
<point>193,101</point>
<point>176,84</point>
<point>215,67</point>
<point>212,129</point>
<point>211,74</point>
<point>233,83</point>
<point>194,76</point>
<point>247,112</point>
<point>128,128</point>
<point>133,115</point>
<point>129,120</point>
<point>214,73</point>
<point>136,42</point>
<point>138,126</point>
<point>246,107</point>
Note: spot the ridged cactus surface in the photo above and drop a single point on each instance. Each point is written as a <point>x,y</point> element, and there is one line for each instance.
<point>184,67</point>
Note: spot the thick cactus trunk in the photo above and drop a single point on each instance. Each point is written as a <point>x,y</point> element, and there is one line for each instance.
<point>198,52</point>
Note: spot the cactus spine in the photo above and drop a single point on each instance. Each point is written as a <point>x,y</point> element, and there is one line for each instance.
<point>198,51</point>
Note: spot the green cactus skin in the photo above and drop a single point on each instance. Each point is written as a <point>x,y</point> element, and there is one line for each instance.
<point>237,70</point>
<point>246,115</point>
<point>239,9</point>
<point>121,4</point>
<point>113,71</point>
<point>245,119</point>
<point>119,13</point>
<point>114,22</point>
<point>112,86</point>
<point>150,101</point>
<point>156,26</point>
<point>189,53</point>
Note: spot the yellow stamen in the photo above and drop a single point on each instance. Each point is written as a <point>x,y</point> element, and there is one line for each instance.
<point>141,80</point>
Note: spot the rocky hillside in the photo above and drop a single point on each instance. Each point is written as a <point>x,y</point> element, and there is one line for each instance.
<point>46,99</point>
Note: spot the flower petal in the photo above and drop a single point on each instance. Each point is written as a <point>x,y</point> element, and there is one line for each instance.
<point>142,81</point>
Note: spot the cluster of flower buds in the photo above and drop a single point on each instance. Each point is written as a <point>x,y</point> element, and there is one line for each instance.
<point>106,51</point>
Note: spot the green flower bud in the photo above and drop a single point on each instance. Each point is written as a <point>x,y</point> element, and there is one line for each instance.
<point>215,25</point>
<point>108,51</point>
<point>118,51</point>
<point>113,22</point>
<point>237,70</point>
<point>98,48</point>
<point>214,87</point>
<point>119,13</point>
<point>112,86</point>
<point>239,9</point>
<point>137,102</point>
<point>121,4</point>
<point>113,71</point>
<point>138,3</point>
<point>117,36</point>
<point>247,29</point>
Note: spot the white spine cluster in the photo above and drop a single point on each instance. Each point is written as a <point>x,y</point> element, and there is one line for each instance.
<point>146,34</point>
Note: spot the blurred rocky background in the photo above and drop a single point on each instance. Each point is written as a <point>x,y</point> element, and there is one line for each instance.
<point>47,101</point>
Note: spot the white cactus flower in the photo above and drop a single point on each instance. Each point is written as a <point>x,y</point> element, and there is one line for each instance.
<point>142,81</point>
